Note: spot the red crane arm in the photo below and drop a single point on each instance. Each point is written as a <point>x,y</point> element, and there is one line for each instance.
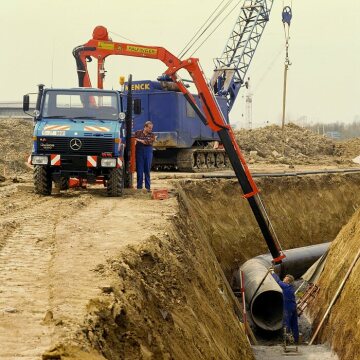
<point>101,46</point>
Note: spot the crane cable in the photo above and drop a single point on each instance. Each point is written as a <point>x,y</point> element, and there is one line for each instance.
<point>123,37</point>
<point>286,19</point>
<point>211,22</point>
<point>219,10</point>
<point>221,21</point>
<point>189,45</point>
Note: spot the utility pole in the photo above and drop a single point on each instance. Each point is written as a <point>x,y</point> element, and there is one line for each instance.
<point>248,105</point>
<point>286,19</point>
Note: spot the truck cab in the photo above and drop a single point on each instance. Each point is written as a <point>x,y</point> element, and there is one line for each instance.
<point>78,133</point>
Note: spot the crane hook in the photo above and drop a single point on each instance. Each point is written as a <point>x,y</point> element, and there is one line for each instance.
<point>287,15</point>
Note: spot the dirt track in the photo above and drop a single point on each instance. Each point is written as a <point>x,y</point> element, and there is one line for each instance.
<point>51,248</point>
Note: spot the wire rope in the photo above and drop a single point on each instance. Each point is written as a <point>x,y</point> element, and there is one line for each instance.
<point>226,16</point>
<point>207,28</point>
<point>123,37</point>
<point>210,16</point>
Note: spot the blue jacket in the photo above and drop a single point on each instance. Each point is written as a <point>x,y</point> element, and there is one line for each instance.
<point>288,294</point>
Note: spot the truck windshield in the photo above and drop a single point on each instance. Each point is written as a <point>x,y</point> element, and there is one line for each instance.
<point>99,105</point>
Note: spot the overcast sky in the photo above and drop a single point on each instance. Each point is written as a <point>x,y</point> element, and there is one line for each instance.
<point>38,36</point>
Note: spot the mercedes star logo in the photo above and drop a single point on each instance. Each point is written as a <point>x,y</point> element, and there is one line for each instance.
<point>75,144</point>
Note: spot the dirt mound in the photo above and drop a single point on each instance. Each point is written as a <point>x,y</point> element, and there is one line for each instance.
<point>301,145</point>
<point>349,148</point>
<point>15,145</point>
<point>341,328</point>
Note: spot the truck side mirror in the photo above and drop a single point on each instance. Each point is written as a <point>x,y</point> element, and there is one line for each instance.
<point>26,103</point>
<point>137,106</point>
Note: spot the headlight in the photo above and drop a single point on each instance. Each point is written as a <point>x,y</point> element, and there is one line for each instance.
<point>108,162</point>
<point>39,160</point>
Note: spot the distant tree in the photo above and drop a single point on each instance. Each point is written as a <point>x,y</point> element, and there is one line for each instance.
<point>346,131</point>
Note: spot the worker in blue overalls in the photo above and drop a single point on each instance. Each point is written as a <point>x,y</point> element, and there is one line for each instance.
<point>144,153</point>
<point>290,318</point>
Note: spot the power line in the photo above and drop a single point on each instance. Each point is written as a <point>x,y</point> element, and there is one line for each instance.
<point>189,46</point>
<point>188,43</point>
<point>226,16</point>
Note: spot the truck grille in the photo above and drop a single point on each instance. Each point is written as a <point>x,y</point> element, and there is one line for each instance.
<point>61,145</point>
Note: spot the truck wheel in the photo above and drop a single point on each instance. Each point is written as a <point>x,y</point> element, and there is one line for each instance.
<point>64,183</point>
<point>42,180</point>
<point>115,183</point>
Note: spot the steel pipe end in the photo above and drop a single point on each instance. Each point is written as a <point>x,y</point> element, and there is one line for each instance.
<point>267,310</point>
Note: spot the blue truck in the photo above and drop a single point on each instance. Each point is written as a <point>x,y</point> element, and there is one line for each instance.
<point>79,133</point>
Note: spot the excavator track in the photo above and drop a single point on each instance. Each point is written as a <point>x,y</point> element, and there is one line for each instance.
<point>202,160</point>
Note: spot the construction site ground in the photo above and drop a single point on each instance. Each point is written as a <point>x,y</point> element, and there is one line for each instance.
<point>52,251</point>
<point>84,276</point>
<point>60,255</point>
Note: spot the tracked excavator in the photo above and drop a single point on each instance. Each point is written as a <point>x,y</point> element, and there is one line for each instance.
<point>207,109</point>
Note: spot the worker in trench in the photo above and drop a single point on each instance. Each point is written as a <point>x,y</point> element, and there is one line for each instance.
<point>144,154</point>
<point>290,317</point>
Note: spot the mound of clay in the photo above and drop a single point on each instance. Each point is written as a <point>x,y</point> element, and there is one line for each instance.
<point>349,148</point>
<point>15,145</point>
<point>299,143</point>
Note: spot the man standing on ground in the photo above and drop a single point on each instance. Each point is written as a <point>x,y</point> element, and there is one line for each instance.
<point>290,311</point>
<point>144,153</point>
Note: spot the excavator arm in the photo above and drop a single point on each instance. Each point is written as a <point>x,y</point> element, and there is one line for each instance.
<point>101,46</point>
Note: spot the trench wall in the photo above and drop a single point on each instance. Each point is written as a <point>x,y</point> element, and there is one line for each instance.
<point>304,210</point>
<point>341,329</point>
<point>167,300</point>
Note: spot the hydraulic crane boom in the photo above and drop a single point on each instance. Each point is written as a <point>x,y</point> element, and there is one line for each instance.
<point>100,46</point>
<point>231,67</point>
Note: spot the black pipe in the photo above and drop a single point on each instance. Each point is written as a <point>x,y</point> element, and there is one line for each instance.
<point>266,302</point>
<point>129,127</point>
<point>283,174</point>
<point>196,109</point>
<point>80,67</point>
<point>39,96</point>
<point>242,178</point>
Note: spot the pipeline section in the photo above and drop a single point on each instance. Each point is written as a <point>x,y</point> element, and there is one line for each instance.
<point>283,174</point>
<point>263,295</point>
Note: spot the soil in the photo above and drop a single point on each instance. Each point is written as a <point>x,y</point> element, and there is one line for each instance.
<point>349,148</point>
<point>15,146</point>
<point>341,328</point>
<point>295,145</point>
<point>302,147</point>
<point>147,286</point>
<point>83,276</point>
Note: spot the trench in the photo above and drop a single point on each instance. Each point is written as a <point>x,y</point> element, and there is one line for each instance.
<point>169,297</point>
